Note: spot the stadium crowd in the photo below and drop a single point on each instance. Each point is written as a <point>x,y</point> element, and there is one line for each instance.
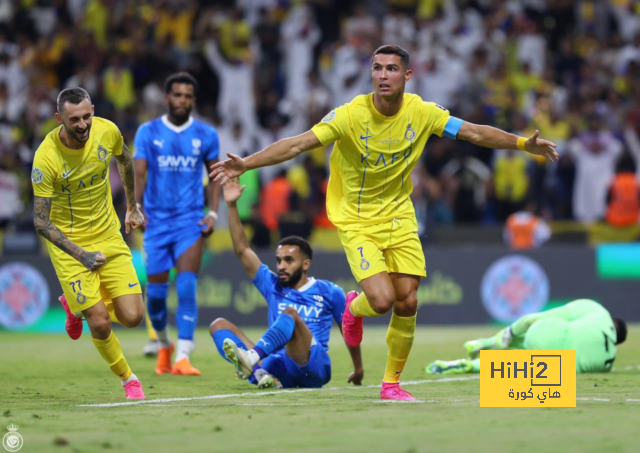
<point>269,69</point>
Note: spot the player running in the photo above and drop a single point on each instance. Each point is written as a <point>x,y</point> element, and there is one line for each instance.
<point>74,211</point>
<point>379,139</point>
<point>293,351</point>
<point>582,325</point>
<point>170,154</point>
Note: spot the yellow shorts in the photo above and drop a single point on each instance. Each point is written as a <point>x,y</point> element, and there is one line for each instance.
<point>392,247</point>
<point>83,288</point>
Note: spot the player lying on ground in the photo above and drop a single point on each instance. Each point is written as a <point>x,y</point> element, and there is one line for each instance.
<point>293,351</point>
<point>73,210</point>
<point>170,154</point>
<point>583,325</point>
<point>379,138</point>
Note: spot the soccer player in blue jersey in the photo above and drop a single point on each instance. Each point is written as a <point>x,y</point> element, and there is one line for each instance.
<point>170,154</point>
<point>293,351</point>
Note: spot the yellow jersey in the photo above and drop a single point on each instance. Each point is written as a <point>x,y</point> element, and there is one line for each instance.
<point>374,155</point>
<point>77,180</point>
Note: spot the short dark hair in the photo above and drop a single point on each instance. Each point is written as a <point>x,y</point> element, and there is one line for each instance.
<point>180,77</point>
<point>390,49</point>
<point>621,330</point>
<point>303,244</point>
<point>73,96</point>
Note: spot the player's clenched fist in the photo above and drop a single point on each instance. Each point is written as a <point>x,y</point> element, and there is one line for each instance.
<point>356,377</point>
<point>134,219</point>
<point>93,260</point>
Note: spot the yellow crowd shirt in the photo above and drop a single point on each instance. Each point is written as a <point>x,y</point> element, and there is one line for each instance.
<point>77,180</point>
<point>373,157</point>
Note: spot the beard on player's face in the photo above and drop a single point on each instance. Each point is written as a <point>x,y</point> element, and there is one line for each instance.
<point>179,112</point>
<point>79,133</point>
<point>290,279</point>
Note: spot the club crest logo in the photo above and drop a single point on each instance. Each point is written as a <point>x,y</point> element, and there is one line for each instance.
<point>36,175</point>
<point>196,143</point>
<point>410,134</point>
<point>12,441</point>
<point>81,298</point>
<point>364,265</point>
<point>102,153</point>
<point>329,116</point>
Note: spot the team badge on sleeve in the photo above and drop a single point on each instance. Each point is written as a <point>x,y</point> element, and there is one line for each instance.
<point>329,116</point>
<point>36,175</point>
<point>440,107</point>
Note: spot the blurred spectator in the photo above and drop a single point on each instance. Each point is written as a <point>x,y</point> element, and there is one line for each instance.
<point>623,198</point>
<point>275,200</point>
<point>524,231</point>
<point>466,183</point>
<point>594,153</point>
<point>510,182</point>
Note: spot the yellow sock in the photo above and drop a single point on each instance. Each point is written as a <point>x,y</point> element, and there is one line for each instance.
<point>111,352</point>
<point>150,331</point>
<point>399,339</point>
<point>360,306</point>
<point>112,312</point>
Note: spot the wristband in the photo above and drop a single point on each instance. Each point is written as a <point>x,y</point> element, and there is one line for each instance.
<point>521,142</point>
<point>213,215</point>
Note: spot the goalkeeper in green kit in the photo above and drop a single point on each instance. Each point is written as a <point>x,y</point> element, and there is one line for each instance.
<point>582,325</point>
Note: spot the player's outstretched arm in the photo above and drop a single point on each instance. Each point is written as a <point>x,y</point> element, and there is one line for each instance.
<point>45,228</point>
<point>357,374</point>
<point>491,137</point>
<point>248,257</point>
<point>276,153</point>
<point>134,218</point>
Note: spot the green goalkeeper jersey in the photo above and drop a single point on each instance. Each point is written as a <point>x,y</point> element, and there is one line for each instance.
<point>582,325</point>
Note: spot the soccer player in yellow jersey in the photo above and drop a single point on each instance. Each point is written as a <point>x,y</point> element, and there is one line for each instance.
<point>74,211</point>
<point>379,138</point>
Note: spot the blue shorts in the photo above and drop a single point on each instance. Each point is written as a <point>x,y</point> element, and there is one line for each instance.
<point>163,246</point>
<point>316,373</point>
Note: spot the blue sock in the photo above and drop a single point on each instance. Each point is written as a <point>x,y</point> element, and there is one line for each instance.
<point>157,304</point>
<point>276,336</point>
<point>187,313</point>
<point>220,335</point>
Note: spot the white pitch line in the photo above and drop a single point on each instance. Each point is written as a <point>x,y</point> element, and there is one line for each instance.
<point>631,400</point>
<point>277,392</point>
<point>593,399</point>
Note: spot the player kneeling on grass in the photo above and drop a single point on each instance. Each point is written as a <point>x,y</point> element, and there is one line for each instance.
<point>582,325</point>
<point>293,351</point>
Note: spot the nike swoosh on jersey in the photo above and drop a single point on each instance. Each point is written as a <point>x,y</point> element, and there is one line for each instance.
<point>366,137</point>
<point>131,285</point>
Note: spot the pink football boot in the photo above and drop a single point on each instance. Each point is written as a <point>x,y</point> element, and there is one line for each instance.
<point>394,392</point>
<point>351,325</point>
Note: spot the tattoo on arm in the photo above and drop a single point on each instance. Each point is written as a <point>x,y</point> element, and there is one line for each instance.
<point>128,175</point>
<point>46,229</point>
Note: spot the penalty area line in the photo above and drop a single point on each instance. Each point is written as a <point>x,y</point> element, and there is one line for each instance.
<point>276,392</point>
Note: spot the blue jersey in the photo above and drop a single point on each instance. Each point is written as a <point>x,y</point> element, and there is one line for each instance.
<point>175,158</point>
<point>317,302</point>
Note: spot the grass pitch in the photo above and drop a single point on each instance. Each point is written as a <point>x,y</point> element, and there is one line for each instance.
<point>44,380</point>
